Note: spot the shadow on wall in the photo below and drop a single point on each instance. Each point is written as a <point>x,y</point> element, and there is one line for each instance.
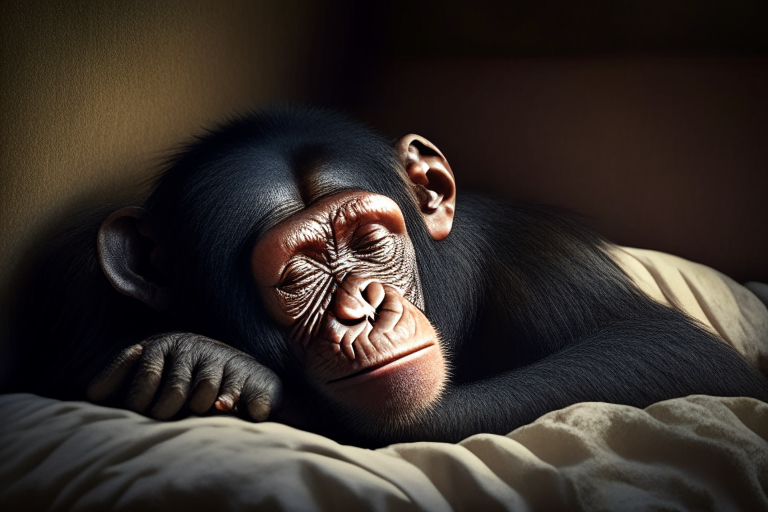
<point>94,95</point>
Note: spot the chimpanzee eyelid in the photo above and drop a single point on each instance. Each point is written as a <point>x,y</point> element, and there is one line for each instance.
<point>369,245</point>
<point>298,260</point>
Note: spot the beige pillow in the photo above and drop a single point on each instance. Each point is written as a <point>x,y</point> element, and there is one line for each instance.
<point>722,305</point>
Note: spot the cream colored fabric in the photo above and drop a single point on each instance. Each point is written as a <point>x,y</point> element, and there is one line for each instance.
<point>696,453</point>
<point>722,305</point>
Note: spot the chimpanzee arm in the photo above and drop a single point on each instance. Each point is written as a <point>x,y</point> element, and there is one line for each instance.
<point>159,376</point>
<point>635,363</point>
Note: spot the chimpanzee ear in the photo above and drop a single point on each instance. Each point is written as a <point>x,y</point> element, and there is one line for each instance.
<point>126,244</point>
<point>432,180</point>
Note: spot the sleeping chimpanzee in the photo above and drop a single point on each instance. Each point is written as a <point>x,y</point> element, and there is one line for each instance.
<point>293,265</point>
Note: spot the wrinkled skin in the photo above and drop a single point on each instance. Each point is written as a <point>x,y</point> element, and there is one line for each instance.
<point>342,277</point>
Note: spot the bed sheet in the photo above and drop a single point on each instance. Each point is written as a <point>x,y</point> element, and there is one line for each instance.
<point>694,453</point>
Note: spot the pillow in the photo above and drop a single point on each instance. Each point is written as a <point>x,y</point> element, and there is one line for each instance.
<point>723,306</point>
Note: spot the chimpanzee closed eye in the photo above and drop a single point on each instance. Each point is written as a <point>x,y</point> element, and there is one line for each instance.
<point>329,285</point>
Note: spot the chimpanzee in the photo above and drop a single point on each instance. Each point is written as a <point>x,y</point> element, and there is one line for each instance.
<point>294,265</point>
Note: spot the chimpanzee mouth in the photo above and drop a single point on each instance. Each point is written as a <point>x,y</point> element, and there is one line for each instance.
<point>377,366</point>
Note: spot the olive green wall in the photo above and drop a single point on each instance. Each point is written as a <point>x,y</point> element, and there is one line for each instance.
<point>94,94</point>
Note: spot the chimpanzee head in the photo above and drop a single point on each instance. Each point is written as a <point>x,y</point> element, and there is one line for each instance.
<point>294,235</point>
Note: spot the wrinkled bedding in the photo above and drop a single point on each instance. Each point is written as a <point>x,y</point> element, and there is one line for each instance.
<point>694,453</point>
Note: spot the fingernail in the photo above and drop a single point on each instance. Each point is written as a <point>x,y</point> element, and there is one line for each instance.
<point>224,403</point>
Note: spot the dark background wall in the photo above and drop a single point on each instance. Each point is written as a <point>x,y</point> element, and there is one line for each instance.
<point>649,117</point>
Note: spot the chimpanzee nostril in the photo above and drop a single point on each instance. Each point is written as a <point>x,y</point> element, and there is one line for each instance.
<point>374,294</point>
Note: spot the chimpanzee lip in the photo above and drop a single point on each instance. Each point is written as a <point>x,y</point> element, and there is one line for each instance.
<point>374,367</point>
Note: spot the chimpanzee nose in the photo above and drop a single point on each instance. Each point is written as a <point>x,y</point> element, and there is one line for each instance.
<point>356,299</point>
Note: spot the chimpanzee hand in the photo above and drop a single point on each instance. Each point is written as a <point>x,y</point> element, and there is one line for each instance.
<point>180,368</point>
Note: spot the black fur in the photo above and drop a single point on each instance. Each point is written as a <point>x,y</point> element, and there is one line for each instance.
<point>533,313</point>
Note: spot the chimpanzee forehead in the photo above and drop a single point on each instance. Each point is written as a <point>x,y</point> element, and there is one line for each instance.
<point>280,185</point>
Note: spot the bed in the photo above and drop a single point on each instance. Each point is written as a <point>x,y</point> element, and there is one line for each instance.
<point>693,453</point>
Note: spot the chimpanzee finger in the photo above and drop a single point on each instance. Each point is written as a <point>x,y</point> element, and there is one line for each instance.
<point>231,387</point>
<point>108,381</point>
<point>261,390</point>
<point>147,379</point>
<point>205,388</point>
<point>176,386</point>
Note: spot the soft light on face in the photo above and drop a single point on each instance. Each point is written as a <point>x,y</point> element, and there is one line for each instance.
<point>300,263</point>
<point>341,277</point>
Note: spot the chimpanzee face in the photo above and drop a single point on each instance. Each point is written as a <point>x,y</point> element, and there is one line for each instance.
<point>341,277</point>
